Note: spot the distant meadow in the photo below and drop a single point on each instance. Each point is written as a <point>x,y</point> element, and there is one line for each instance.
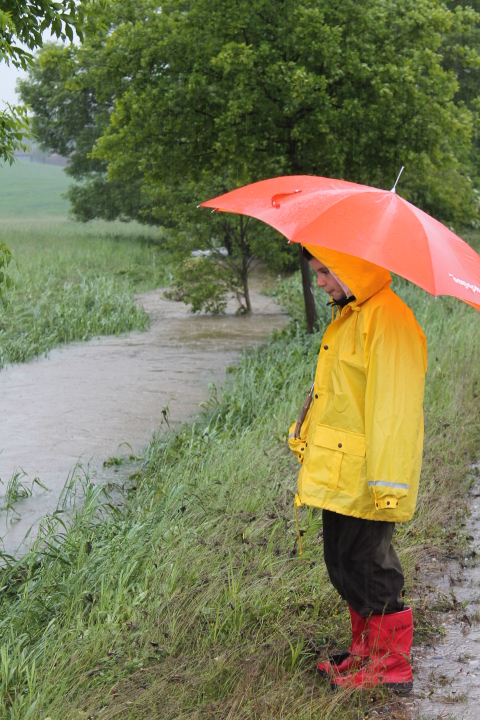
<point>73,281</point>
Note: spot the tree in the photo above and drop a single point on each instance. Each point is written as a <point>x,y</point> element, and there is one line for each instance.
<point>206,99</point>
<point>25,22</point>
<point>233,245</point>
<point>69,117</point>
<point>71,93</point>
<point>461,56</point>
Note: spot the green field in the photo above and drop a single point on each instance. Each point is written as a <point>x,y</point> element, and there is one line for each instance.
<point>32,191</point>
<point>72,280</point>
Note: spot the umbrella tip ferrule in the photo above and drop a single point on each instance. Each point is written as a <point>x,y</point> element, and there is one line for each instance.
<point>394,188</point>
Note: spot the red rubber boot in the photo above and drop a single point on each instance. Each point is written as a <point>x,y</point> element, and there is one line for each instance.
<point>389,638</point>
<point>355,656</point>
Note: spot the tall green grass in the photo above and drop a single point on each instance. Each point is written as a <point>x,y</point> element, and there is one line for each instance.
<point>72,281</point>
<point>192,601</point>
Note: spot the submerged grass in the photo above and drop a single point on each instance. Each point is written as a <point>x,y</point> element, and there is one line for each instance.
<point>73,282</point>
<point>192,602</point>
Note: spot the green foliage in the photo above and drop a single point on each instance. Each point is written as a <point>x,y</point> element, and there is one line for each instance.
<point>13,131</point>
<point>69,117</point>
<point>96,198</point>
<point>351,91</point>
<point>24,22</point>
<point>234,246</point>
<point>461,57</point>
<point>445,192</point>
<point>70,91</point>
<point>460,50</point>
<point>69,129</point>
<point>202,283</point>
<point>288,293</point>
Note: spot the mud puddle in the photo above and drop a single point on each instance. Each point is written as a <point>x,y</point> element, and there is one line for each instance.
<point>90,401</point>
<point>447,674</point>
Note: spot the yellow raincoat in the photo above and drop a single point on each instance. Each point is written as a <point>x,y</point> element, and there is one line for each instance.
<point>362,440</point>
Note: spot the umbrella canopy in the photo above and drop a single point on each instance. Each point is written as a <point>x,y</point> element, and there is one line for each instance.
<point>376,225</point>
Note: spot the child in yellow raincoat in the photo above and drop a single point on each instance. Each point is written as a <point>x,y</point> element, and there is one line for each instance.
<point>360,447</point>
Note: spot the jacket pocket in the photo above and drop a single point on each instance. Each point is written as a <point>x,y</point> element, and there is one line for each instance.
<point>337,458</point>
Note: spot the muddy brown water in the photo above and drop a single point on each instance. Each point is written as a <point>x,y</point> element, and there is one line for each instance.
<point>447,674</point>
<point>89,401</point>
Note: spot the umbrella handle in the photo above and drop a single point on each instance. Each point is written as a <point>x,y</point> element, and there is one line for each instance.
<point>303,414</point>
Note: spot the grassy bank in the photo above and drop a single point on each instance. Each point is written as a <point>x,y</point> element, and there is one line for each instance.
<point>191,602</point>
<point>72,281</point>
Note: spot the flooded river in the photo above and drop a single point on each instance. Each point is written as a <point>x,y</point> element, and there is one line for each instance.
<point>89,401</point>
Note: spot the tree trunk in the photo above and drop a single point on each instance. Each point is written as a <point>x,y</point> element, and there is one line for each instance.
<point>245,258</point>
<point>246,291</point>
<point>308,296</point>
<point>310,308</point>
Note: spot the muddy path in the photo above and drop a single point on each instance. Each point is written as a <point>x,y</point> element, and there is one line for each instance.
<point>89,401</point>
<point>447,672</point>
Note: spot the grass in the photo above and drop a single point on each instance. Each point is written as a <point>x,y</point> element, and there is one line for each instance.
<point>17,490</point>
<point>72,281</point>
<point>32,191</point>
<point>192,602</point>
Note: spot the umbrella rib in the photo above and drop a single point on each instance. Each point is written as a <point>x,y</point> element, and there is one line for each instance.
<point>432,269</point>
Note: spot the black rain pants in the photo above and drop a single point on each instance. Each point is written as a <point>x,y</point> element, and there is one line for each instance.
<point>362,563</point>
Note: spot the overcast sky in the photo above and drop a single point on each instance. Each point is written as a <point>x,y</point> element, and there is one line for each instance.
<point>8,78</point>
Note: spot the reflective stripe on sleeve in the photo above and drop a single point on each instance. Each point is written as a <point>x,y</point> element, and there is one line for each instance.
<point>385,483</point>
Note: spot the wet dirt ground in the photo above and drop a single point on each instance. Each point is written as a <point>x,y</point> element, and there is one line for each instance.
<point>89,401</point>
<point>447,674</point>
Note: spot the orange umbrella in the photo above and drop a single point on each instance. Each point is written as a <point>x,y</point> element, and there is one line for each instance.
<point>376,225</point>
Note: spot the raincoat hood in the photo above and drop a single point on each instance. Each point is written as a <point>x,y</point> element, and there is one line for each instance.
<point>362,277</point>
